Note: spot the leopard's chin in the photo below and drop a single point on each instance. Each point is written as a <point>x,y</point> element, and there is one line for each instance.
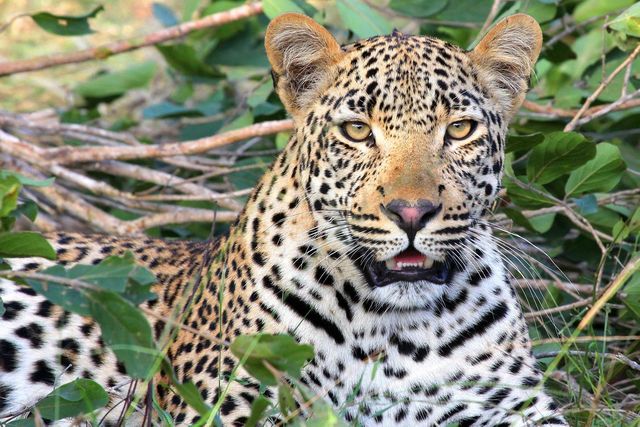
<point>409,266</point>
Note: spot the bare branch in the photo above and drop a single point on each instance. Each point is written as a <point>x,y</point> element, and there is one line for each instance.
<point>64,155</point>
<point>120,46</point>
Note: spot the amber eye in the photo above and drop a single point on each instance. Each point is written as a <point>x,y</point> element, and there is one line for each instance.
<point>356,131</point>
<point>460,129</point>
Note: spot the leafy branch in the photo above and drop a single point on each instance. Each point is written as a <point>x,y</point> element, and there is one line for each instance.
<point>121,46</point>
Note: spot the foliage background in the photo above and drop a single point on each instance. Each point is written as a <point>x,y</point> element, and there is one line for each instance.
<point>568,218</point>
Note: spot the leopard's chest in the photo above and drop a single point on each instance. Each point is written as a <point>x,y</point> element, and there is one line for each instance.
<point>424,368</point>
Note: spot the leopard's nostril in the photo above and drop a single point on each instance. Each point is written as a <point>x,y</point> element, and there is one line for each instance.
<point>410,217</point>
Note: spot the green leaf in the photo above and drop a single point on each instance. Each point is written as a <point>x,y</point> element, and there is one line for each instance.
<point>168,109</point>
<point>587,204</point>
<point>465,11</point>
<point>603,217</point>
<point>632,297</point>
<point>266,109</point>
<point>281,351</point>
<point>123,326</point>
<point>542,223</point>
<point>164,14</point>
<point>612,91</point>
<point>559,154</point>
<point>189,7</point>
<point>66,25</point>
<point>187,390</point>
<point>628,22</point>
<point>138,287</point>
<point>599,174</point>
<point>559,52</point>
<point>185,59</point>
<point>518,143</point>
<point>249,177</point>
<point>25,244</point>
<point>260,94</point>
<point>258,408</point>
<point>589,8</point>
<point>540,11</point>
<point>117,82</point>
<point>282,139</point>
<point>9,189</point>
<point>25,180</point>
<point>29,209</point>
<point>418,8</point>
<point>72,299</point>
<point>111,274</point>
<point>25,422</point>
<point>126,331</point>
<point>241,121</point>
<point>620,231</point>
<point>324,416</point>
<point>286,401</point>
<point>119,274</point>
<point>634,221</point>
<point>273,8</point>
<point>81,396</point>
<point>525,198</point>
<point>518,218</point>
<point>361,19</point>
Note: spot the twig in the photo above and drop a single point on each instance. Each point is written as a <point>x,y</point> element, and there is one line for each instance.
<point>166,180</point>
<point>574,217</point>
<point>120,46</point>
<point>624,359</point>
<point>618,357</point>
<point>64,155</point>
<point>606,109</point>
<point>558,309</point>
<point>548,110</point>
<point>574,121</point>
<point>615,285</point>
<point>570,29</point>
<point>66,201</point>
<point>544,284</point>
<point>179,216</point>
<point>611,198</point>
<point>493,12</point>
<point>194,197</point>
<point>74,283</point>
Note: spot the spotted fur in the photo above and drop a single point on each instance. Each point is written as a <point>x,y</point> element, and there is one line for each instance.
<point>403,354</point>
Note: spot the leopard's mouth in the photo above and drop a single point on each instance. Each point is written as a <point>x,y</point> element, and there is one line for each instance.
<point>408,266</point>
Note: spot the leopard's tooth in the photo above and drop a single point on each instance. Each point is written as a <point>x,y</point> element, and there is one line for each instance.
<point>427,263</point>
<point>391,264</point>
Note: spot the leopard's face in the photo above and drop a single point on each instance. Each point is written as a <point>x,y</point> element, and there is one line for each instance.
<point>400,140</point>
<point>406,151</point>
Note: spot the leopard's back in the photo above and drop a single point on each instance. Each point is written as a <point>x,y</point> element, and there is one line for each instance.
<point>43,345</point>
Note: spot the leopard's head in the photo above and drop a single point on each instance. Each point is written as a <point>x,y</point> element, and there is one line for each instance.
<point>400,139</point>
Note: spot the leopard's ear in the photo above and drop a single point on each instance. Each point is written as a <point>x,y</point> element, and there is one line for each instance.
<point>505,58</point>
<point>302,54</point>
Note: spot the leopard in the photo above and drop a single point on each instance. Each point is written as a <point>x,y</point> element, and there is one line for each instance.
<point>367,238</point>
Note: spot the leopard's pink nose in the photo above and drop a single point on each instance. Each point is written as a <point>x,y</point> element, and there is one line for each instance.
<point>410,217</point>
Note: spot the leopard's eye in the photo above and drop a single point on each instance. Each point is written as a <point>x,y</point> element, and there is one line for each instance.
<point>460,129</point>
<point>356,131</point>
